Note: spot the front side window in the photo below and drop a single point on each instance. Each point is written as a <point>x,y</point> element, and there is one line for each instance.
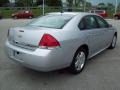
<point>102,23</point>
<point>52,21</point>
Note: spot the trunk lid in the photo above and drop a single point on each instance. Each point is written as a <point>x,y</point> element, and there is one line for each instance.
<point>27,37</point>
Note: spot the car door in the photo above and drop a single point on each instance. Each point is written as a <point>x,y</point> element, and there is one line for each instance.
<point>26,14</point>
<point>23,14</point>
<point>106,30</point>
<point>20,15</point>
<point>89,27</point>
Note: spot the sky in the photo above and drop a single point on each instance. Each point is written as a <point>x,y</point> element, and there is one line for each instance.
<point>95,2</point>
<point>12,1</point>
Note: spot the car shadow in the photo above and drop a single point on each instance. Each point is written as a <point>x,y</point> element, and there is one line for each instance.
<point>62,73</point>
<point>45,78</point>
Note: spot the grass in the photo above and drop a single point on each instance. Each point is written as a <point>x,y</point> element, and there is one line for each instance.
<point>110,13</point>
<point>6,12</point>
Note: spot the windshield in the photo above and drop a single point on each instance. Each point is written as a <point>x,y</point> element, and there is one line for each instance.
<point>52,21</point>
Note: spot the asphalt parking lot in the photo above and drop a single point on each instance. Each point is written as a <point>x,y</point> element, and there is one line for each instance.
<point>101,72</point>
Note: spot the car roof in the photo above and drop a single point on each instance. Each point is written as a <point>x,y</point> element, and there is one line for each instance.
<point>71,13</point>
<point>63,13</point>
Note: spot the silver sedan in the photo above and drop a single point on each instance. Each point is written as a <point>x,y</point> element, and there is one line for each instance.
<point>60,40</point>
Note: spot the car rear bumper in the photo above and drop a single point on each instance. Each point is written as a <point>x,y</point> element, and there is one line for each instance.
<point>40,59</point>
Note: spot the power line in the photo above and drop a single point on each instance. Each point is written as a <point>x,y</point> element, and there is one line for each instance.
<point>116,2</point>
<point>43,7</point>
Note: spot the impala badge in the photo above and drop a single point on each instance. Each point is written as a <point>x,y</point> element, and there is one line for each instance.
<point>21,31</point>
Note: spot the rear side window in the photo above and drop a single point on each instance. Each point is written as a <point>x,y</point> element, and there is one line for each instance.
<point>102,23</point>
<point>88,22</point>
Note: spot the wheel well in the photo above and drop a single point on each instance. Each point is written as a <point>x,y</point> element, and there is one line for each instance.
<point>115,34</point>
<point>84,47</point>
<point>116,15</point>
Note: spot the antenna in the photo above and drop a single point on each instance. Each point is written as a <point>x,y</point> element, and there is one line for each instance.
<point>61,8</point>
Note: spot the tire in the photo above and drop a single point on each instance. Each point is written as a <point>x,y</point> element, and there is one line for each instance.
<point>30,17</point>
<point>113,43</point>
<point>15,17</point>
<point>116,17</point>
<point>0,17</point>
<point>79,61</point>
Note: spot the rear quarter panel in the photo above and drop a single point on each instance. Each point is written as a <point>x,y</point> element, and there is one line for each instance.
<point>70,38</point>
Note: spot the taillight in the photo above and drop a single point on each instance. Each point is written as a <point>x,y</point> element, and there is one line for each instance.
<point>48,41</point>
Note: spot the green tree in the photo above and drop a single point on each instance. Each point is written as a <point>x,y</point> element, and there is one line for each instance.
<point>70,3</point>
<point>119,6</point>
<point>53,2</point>
<point>101,6</point>
<point>88,5</point>
<point>77,2</point>
<point>25,3</point>
<point>3,2</point>
<point>50,2</point>
<point>110,6</point>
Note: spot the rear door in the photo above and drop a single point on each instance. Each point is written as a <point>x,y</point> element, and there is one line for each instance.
<point>90,27</point>
<point>26,14</point>
<point>20,14</point>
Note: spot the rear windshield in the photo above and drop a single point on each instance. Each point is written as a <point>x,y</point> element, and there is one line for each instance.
<point>52,21</point>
